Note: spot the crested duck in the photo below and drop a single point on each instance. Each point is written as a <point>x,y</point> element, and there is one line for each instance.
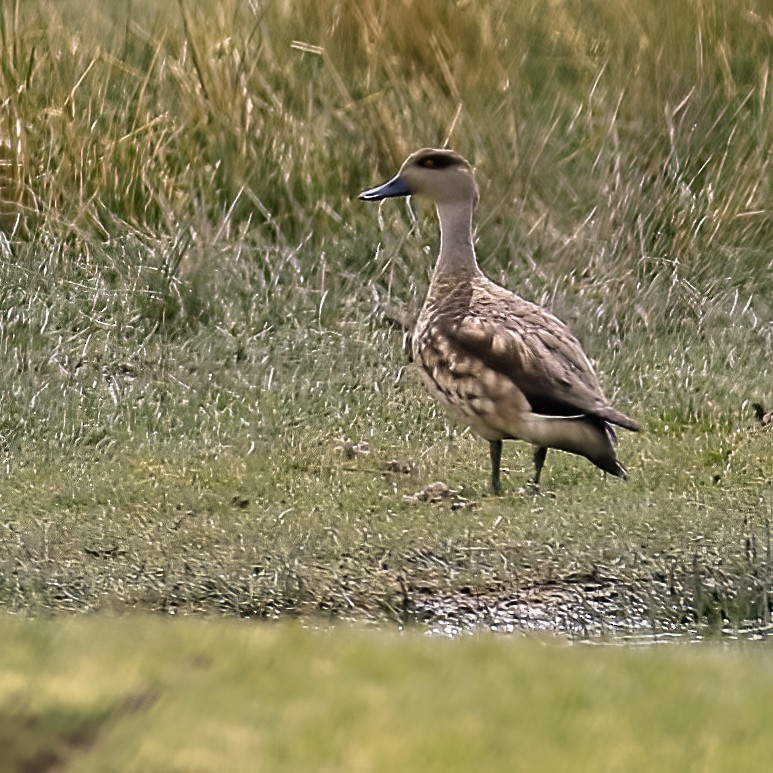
<point>502,365</point>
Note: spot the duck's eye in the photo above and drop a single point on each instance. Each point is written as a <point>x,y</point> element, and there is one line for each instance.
<point>438,161</point>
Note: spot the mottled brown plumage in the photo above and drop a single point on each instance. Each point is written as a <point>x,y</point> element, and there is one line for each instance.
<point>504,366</point>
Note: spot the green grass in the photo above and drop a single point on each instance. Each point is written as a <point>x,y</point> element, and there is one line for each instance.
<point>195,312</point>
<point>149,694</point>
<point>298,528</point>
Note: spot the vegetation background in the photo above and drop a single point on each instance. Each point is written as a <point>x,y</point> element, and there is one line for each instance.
<point>207,405</point>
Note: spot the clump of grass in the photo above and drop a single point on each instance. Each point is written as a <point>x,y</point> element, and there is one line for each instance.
<point>274,114</point>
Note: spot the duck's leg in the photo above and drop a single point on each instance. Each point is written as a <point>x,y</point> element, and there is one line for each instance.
<point>495,451</point>
<point>540,452</point>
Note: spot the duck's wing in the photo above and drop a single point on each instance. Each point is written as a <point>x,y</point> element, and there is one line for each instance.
<point>536,351</point>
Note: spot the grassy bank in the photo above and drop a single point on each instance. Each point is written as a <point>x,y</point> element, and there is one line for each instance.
<point>145,694</point>
<point>198,341</point>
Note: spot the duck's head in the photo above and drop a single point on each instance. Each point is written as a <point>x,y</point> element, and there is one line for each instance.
<point>440,175</point>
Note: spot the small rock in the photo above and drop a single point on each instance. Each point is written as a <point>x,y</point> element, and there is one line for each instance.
<point>440,492</point>
<point>351,450</point>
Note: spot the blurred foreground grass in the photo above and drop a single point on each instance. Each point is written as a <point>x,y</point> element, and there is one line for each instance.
<point>142,693</point>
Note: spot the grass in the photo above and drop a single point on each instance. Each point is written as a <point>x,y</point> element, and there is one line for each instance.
<point>207,409</point>
<point>196,329</point>
<point>89,694</point>
<point>304,530</point>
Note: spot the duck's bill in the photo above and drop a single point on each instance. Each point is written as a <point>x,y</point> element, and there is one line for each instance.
<point>395,187</point>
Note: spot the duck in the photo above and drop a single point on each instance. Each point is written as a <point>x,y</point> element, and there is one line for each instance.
<point>500,364</point>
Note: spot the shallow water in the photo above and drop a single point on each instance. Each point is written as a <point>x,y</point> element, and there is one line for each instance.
<point>589,612</point>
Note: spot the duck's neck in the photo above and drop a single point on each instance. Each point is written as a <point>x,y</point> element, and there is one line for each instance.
<point>457,254</point>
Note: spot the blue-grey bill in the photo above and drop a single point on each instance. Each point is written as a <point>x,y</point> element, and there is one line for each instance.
<point>395,187</point>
